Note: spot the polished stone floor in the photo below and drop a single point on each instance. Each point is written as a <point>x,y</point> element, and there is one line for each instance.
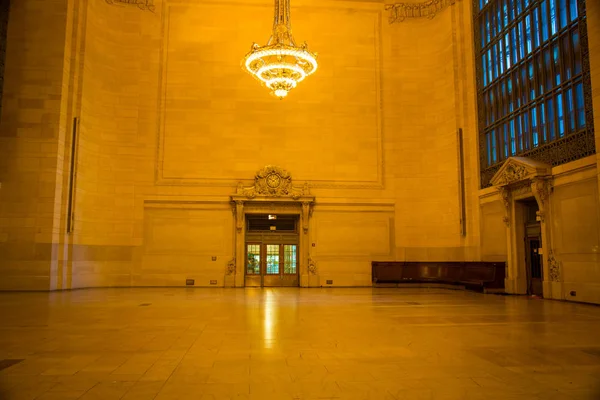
<point>295,344</point>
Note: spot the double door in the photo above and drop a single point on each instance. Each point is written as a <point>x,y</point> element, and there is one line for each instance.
<point>271,264</point>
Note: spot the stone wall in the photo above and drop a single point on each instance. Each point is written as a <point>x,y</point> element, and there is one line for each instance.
<point>169,124</point>
<point>31,132</point>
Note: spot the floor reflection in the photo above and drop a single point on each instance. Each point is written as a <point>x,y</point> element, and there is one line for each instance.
<point>296,344</point>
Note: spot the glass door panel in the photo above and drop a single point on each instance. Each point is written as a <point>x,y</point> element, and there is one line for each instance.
<point>253,259</point>
<point>290,259</point>
<point>272,259</point>
<point>271,265</point>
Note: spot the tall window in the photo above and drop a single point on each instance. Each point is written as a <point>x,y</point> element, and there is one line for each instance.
<point>534,93</point>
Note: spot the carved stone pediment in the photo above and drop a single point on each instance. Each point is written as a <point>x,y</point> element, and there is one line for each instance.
<point>518,169</point>
<point>273,181</point>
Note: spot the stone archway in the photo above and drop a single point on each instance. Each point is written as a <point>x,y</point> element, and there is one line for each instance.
<point>273,192</point>
<point>518,179</point>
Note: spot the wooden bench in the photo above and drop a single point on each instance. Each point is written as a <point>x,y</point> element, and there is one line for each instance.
<point>474,275</point>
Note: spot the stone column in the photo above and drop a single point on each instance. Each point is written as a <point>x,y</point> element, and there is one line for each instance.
<point>510,281</point>
<point>515,282</point>
<point>552,285</point>
<point>304,244</point>
<point>240,251</point>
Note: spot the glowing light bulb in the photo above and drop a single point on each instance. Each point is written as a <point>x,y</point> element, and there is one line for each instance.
<point>281,93</point>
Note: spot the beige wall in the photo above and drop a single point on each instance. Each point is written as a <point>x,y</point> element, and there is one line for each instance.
<point>169,124</point>
<point>31,142</point>
<point>576,233</point>
<point>185,243</point>
<point>493,232</point>
<point>108,161</point>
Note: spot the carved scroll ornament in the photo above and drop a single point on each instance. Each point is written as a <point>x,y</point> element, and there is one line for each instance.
<point>239,215</point>
<point>554,267</point>
<point>428,9</point>
<point>541,189</point>
<point>505,196</point>
<point>230,267</point>
<point>512,173</point>
<point>141,4</point>
<point>312,266</point>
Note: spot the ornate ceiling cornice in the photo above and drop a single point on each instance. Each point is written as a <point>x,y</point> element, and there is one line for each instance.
<point>141,4</point>
<point>427,9</point>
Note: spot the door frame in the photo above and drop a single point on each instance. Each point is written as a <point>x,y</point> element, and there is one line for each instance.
<point>302,207</point>
<point>521,178</point>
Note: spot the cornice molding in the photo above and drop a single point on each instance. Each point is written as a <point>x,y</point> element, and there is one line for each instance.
<point>427,9</point>
<point>141,4</point>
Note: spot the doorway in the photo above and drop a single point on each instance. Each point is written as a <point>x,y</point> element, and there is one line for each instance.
<point>272,248</point>
<point>533,249</point>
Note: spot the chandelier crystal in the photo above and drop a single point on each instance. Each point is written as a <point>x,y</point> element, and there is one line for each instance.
<point>280,65</point>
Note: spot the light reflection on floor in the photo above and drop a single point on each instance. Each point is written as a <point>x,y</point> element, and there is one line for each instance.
<point>296,344</point>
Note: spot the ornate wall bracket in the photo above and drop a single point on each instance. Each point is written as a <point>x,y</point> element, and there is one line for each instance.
<point>554,267</point>
<point>505,196</point>
<point>230,268</point>
<point>540,187</point>
<point>312,266</point>
<point>141,4</point>
<point>306,214</point>
<point>428,9</point>
<point>239,215</point>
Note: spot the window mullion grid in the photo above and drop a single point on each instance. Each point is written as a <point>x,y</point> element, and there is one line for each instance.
<point>551,99</point>
<point>527,129</point>
<point>494,19</point>
<point>281,260</point>
<point>503,106</point>
<point>569,86</point>
<point>560,97</point>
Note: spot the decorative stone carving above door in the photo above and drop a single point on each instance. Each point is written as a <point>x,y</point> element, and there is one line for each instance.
<point>273,181</point>
<point>273,192</point>
<point>514,179</point>
<point>517,169</point>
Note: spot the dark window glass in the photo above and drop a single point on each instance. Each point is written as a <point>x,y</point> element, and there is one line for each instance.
<point>544,11</point>
<point>573,4</point>
<point>560,115</point>
<point>580,106</point>
<point>570,110</point>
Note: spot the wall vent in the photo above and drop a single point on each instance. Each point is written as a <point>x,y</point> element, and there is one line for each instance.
<point>189,282</point>
<point>329,282</point>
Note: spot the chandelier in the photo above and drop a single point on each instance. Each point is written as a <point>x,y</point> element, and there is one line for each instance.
<point>280,65</point>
